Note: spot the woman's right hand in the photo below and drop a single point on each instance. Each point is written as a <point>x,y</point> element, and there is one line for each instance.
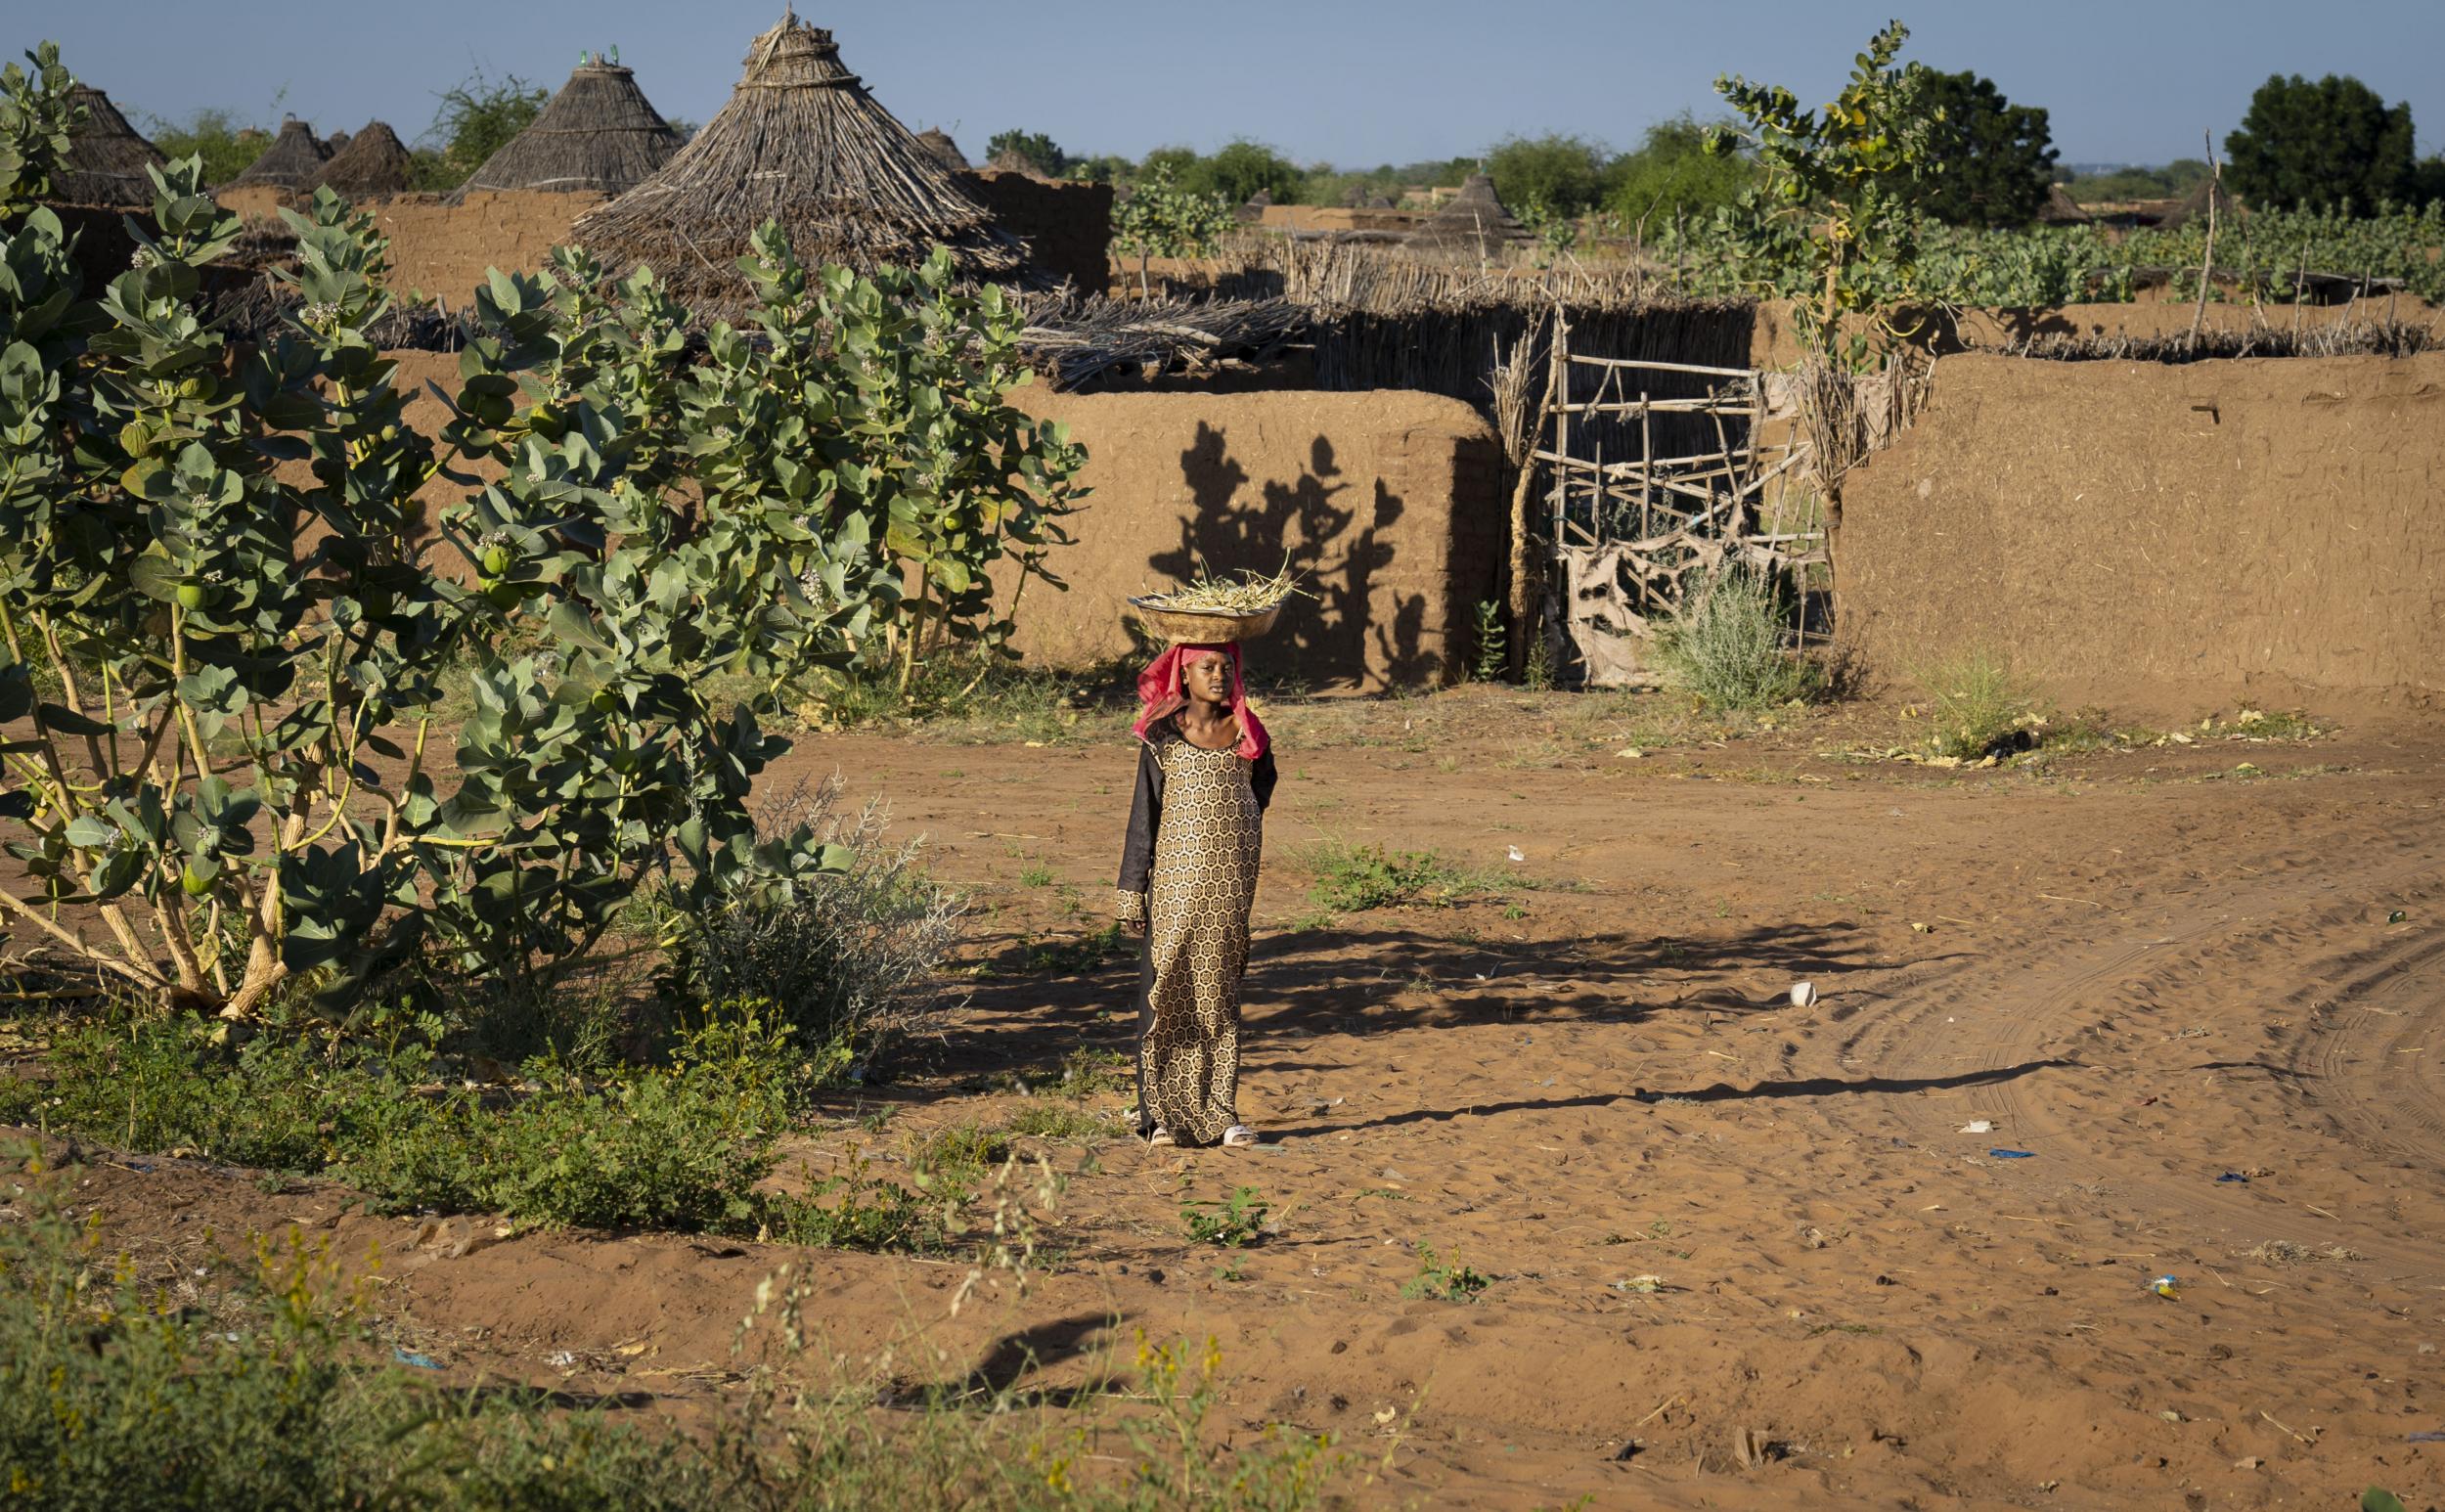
<point>1136,926</point>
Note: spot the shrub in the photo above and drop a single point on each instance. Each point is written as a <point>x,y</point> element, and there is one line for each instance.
<point>848,957</point>
<point>223,606</point>
<point>1728,648</point>
<point>1979,706</point>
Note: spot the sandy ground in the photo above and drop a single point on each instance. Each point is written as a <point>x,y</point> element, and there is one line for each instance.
<point>2168,974</point>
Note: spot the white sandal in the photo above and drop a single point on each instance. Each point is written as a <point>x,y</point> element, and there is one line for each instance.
<point>1239,1135</point>
<point>1160,1135</point>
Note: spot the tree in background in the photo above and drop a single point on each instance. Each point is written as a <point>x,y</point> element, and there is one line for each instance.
<point>1161,219</point>
<point>2307,146</point>
<point>1995,158</point>
<point>1037,149</point>
<point>2170,182</point>
<point>1672,171</point>
<point>477,117</point>
<point>1835,219</point>
<point>227,145</point>
<point>1241,169</point>
<point>1101,168</point>
<point>1561,175</point>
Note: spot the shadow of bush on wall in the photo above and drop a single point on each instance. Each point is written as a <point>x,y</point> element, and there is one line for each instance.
<point>1309,523</point>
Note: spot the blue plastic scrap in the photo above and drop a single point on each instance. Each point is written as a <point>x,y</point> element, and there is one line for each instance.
<point>420,1361</point>
<point>2014,1154</point>
<point>2234,1177</point>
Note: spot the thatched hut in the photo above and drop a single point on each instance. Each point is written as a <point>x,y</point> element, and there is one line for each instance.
<point>802,143</point>
<point>106,158</point>
<point>2060,209</point>
<point>1012,161</point>
<point>373,162</point>
<point>937,141</point>
<point>599,135</point>
<point>2193,205</point>
<point>294,156</point>
<point>1472,223</point>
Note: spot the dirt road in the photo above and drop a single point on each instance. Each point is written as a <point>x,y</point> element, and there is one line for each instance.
<point>2173,976</point>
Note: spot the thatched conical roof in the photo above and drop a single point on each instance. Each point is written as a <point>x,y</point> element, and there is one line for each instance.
<point>2060,209</point>
<point>336,143</point>
<point>1473,221</point>
<point>1012,161</point>
<point>802,143</point>
<point>935,140</point>
<point>599,135</point>
<point>106,156</point>
<point>2194,205</point>
<point>292,158</point>
<point>373,162</point>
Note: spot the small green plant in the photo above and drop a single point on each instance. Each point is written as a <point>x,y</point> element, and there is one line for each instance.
<point>1236,1222</point>
<point>1729,648</point>
<point>1492,651</point>
<point>1444,1280</point>
<point>957,1158</point>
<point>852,1210</point>
<point>1035,874</point>
<point>1979,706</point>
<point>1539,671</point>
<point>1352,878</point>
<point>1087,1070</point>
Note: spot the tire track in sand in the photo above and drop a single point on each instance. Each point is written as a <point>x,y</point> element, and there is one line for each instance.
<point>2043,1006</point>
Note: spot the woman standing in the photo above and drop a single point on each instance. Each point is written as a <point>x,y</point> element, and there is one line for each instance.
<point>1188,874</point>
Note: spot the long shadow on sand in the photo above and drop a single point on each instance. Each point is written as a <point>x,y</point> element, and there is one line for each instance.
<point>1343,980</point>
<point>1717,1092</point>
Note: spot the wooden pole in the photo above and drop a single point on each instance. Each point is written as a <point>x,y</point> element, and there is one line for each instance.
<point>2208,261</point>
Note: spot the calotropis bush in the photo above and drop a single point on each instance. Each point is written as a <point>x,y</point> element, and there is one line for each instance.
<point>223,641</point>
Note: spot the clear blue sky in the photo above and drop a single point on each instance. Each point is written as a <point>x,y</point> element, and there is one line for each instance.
<point>1351,83</point>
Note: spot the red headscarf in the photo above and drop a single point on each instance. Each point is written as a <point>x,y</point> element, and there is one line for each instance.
<point>1162,689</point>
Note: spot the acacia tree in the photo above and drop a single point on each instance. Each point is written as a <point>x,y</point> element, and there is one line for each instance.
<point>224,640</point>
<point>1994,158</point>
<point>2307,146</point>
<point>1836,220</point>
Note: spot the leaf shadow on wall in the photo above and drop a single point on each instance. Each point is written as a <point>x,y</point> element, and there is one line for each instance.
<point>1338,544</point>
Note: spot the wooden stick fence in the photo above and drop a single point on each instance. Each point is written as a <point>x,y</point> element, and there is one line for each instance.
<point>1639,540</point>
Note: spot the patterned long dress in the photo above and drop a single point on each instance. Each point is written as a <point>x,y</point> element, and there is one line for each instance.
<point>1189,871</point>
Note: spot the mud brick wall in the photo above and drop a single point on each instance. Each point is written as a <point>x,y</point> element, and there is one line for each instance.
<point>2142,531</point>
<point>1388,503</point>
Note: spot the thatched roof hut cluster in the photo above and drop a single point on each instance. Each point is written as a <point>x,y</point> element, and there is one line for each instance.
<point>599,135</point>
<point>801,143</point>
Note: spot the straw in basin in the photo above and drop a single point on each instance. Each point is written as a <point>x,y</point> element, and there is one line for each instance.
<point>1214,610</point>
